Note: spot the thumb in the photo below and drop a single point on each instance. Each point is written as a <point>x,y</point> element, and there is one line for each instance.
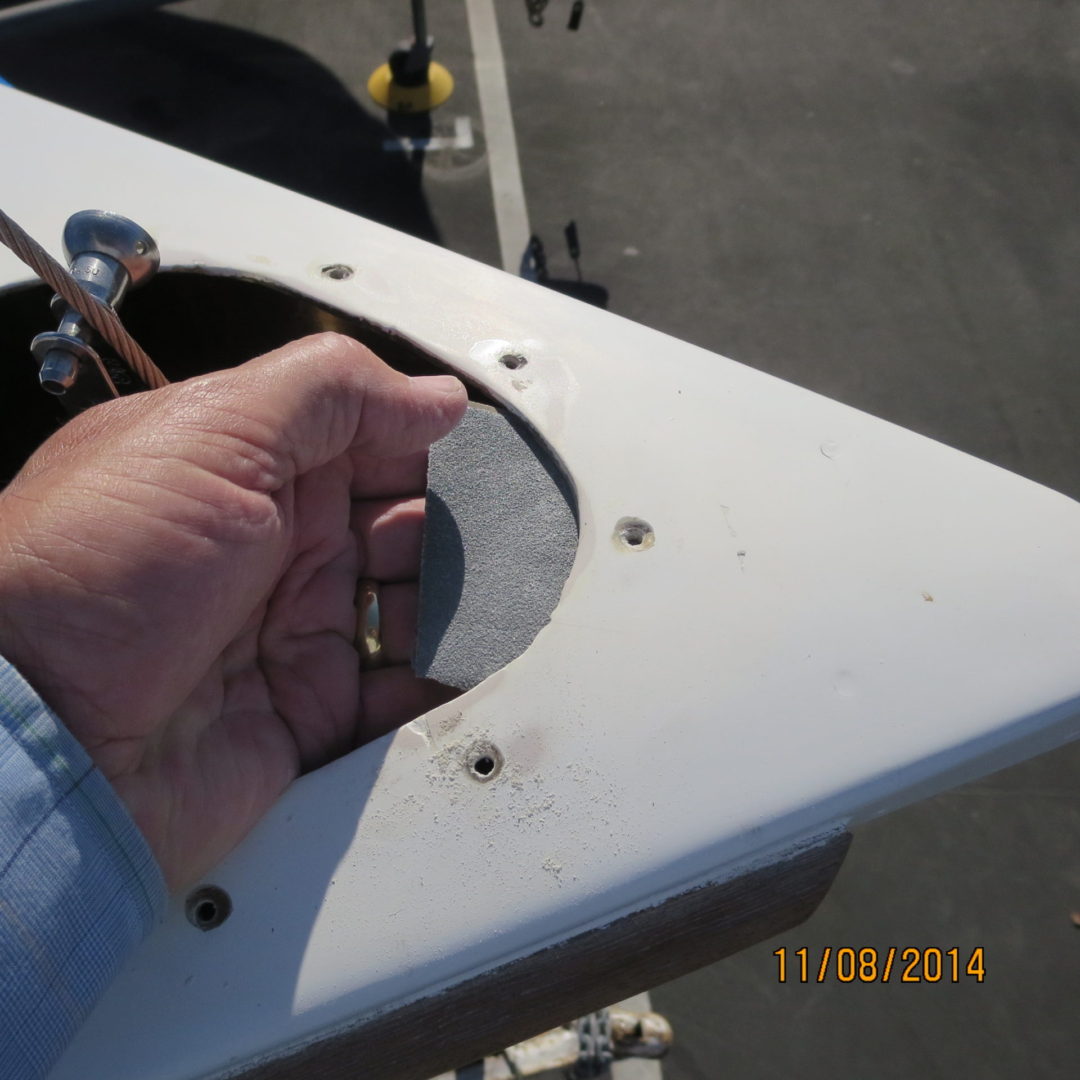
<point>308,402</point>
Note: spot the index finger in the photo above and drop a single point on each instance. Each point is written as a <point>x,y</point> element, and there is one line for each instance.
<point>388,478</point>
<point>303,405</point>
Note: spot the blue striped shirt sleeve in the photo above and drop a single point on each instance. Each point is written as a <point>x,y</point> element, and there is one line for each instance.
<point>79,887</point>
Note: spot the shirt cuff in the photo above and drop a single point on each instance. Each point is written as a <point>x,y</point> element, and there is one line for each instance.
<point>79,886</point>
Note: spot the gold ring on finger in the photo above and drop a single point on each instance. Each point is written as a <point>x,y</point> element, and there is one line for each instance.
<point>368,637</point>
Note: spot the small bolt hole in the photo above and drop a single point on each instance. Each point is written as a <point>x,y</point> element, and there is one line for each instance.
<point>484,762</point>
<point>208,907</point>
<point>513,361</point>
<point>634,533</point>
<point>337,272</point>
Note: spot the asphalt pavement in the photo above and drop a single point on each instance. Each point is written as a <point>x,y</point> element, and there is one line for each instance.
<point>876,201</point>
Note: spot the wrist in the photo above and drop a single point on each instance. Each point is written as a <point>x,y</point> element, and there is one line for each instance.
<point>16,613</point>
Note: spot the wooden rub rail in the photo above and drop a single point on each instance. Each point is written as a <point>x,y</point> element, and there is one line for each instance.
<point>586,972</point>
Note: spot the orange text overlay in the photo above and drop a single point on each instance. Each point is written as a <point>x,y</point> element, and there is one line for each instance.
<point>872,965</point>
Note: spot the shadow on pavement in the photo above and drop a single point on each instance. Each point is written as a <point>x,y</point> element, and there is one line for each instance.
<point>233,96</point>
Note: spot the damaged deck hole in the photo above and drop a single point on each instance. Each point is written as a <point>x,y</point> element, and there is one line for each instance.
<point>513,361</point>
<point>337,272</point>
<point>484,762</point>
<point>207,907</point>
<point>634,533</point>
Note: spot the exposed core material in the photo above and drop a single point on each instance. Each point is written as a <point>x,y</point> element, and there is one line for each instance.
<point>499,541</point>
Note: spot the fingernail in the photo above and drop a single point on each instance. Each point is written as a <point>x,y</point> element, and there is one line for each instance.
<point>442,384</point>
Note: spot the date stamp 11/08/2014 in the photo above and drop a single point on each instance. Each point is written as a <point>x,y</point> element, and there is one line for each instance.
<point>880,965</point>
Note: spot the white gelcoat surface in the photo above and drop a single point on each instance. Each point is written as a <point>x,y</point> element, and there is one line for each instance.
<point>837,617</point>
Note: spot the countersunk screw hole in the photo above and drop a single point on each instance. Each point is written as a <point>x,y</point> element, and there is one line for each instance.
<point>513,361</point>
<point>634,533</point>
<point>337,271</point>
<point>207,907</point>
<point>140,247</point>
<point>484,762</point>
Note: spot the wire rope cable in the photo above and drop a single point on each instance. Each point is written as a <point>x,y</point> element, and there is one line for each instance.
<point>99,315</point>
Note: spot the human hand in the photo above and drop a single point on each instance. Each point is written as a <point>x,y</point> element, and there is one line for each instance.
<point>177,572</point>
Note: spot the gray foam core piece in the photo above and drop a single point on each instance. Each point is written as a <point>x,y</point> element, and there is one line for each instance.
<point>499,540</point>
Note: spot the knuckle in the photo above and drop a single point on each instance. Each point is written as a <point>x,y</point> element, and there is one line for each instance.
<point>339,345</point>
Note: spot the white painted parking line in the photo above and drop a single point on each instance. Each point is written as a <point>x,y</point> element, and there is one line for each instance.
<point>463,133</point>
<point>511,214</point>
<point>462,139</point>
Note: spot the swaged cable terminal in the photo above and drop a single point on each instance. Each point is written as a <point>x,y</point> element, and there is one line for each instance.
<point>107,254</point>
